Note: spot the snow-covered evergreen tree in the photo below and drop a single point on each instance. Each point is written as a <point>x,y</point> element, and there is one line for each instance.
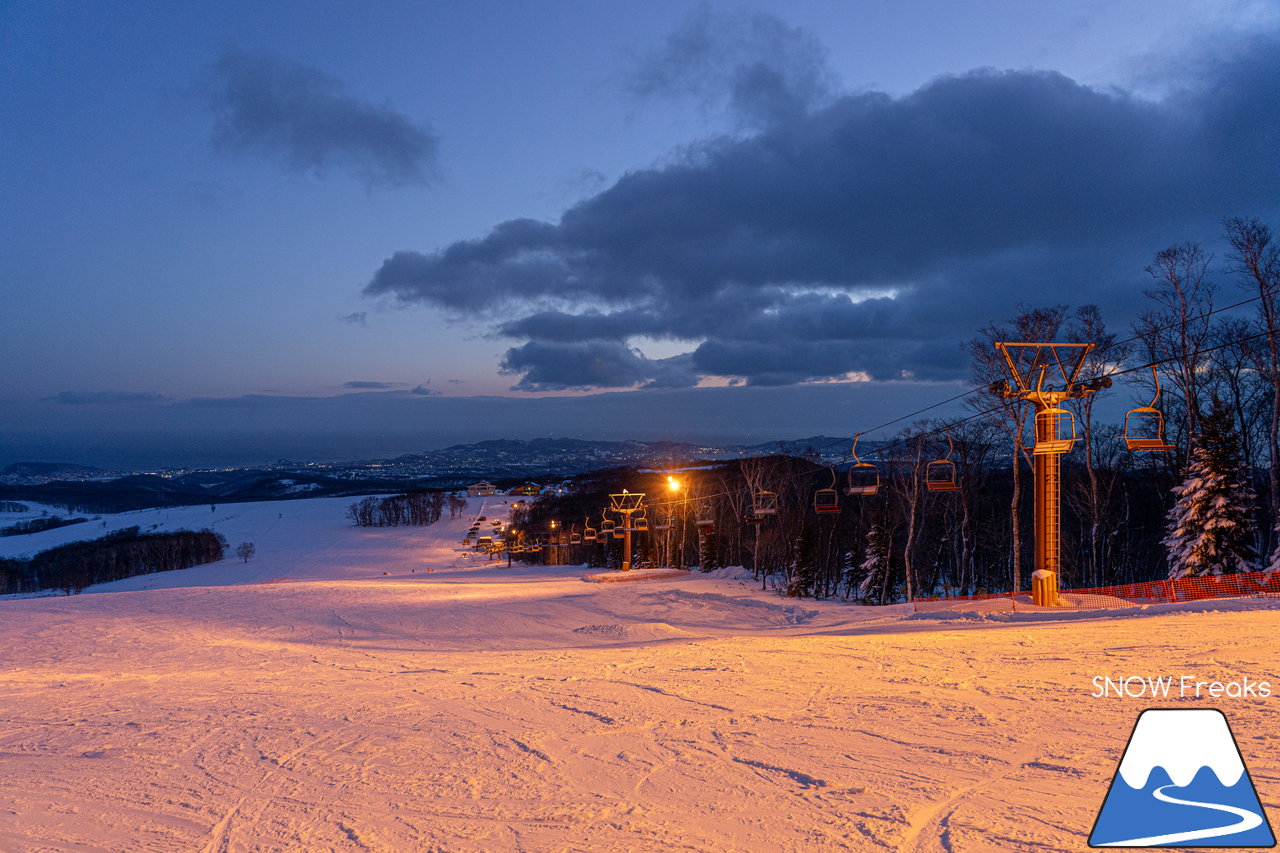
<point>875,565</point>
<point>1211,526</point>
<point>802,571</point>
<point>708,550</point>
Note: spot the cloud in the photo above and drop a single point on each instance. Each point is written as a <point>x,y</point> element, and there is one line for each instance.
<point>872,235</point>
<point>301,118</point>
<point>761,68</point>
<point>364,384</point>
<point>107,398</point>
<point>579,365</point>
<point>357,318</point>
<point>424,391</point>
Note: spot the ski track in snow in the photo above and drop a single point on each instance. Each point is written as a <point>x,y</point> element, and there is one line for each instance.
<point>388,692</point>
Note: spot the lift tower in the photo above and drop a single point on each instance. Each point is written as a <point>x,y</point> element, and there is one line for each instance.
<point>626,505</point>
<point>1030,365</point>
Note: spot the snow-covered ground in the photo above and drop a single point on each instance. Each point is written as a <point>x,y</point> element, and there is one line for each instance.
<point>382,690</point>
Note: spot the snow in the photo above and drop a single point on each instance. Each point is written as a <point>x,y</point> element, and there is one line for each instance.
<point>355,689</point>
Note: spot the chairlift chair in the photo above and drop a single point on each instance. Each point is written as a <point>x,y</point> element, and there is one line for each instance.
<point>706,518</point>
<point>575,538</point>
<point>663,523</point>
<point>1055,431</point>
<point>940,474</point>
<point>589,532</point>
<point>827,500</point>
<point>641,523</point>
<point>1144,426</point>
<point>863,477</point>
<point>607,527</point>
<point>1055,427</point>
<point>764,503</point>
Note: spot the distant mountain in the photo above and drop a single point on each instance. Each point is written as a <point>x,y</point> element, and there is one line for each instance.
<point>505,462</point>
<point>47,470</point>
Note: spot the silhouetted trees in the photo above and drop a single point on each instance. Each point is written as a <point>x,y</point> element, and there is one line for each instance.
<point>415,509</point>
<point>123,554</point>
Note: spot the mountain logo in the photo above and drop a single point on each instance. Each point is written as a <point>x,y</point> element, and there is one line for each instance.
<point>1181,782</point>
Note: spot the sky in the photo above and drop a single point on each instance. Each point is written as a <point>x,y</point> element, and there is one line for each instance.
<point>404,224</point>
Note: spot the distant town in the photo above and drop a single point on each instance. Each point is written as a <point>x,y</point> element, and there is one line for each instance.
<point>505,462</point>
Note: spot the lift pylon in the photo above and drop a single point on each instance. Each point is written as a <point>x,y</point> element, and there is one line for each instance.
<point>626,504</point>
<point>1030,366</point>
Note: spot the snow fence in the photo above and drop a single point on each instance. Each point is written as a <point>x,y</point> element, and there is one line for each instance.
<point>1243,585</point>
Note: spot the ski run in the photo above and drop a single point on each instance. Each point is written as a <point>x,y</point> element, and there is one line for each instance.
<point>354,689</point>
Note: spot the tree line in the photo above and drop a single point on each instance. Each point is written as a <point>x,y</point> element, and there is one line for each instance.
<point>123,554</point>
<point>1208,505</point>
<point>415,509</point>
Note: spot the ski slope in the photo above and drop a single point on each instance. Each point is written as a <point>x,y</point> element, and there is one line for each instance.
<point>383,690</point>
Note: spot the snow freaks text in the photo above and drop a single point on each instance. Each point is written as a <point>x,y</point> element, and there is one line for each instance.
<point>1172,687</point>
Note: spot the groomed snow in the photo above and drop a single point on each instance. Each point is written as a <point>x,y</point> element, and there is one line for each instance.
<point>381,690</point>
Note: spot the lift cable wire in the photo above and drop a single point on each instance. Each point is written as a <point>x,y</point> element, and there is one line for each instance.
<point>894,444</point>
<point>977,390</point>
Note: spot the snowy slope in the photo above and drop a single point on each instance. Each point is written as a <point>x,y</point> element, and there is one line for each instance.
<point>478,708</point>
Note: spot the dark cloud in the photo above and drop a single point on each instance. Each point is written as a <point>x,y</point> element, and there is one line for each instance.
<point>302,118</point>
<point>357,318</point>
<point>763,69</point>
<point>424,391</point>
<point>873,235</point>
<point>107,398</point>
<point>364,384</point>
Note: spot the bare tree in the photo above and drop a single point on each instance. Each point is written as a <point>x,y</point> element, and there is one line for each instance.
<point>1255,257</point>
<point>1105,359</point>
<point>1175,335</point>
<point>245,550</point>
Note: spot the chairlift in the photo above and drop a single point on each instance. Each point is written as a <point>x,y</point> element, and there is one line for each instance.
<point>1055,427</point>
<point>940,474</point>
<point>589,532</point>
<point>863,477</point>
<point>607,527</point>
<point>664,522</point>
<point>641,523</point>
<point>827,500</point>
<point>753,519</point>
<point>706,518</point>
<point>1144,426</point>
<point>574,537</point>
<point>764,503</point>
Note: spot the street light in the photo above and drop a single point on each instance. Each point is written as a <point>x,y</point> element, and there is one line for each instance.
<point>673,486</point>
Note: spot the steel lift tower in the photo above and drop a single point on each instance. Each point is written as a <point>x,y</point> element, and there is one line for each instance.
<point>626,505</point>
<point>1030,365</point>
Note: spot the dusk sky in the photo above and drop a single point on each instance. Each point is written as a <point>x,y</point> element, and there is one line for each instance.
<point>295,219</point>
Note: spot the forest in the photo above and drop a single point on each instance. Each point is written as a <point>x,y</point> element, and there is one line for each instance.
<point>123,554</point>
<point>414,509</point>
<point>1199,497</point>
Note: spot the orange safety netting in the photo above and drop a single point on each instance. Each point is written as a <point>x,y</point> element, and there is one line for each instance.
<point>1244,585</point>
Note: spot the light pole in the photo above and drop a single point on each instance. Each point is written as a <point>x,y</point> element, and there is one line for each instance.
<point>673,486</point>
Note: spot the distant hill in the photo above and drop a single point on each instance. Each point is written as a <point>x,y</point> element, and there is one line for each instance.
<point>502,461</point>
<point>48,470</point>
